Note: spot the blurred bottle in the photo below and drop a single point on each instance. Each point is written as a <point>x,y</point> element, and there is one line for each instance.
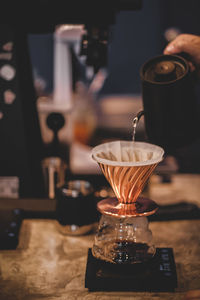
<point>84,114</point>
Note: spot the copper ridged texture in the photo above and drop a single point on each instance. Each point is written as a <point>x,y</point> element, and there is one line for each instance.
<point>127,182</point>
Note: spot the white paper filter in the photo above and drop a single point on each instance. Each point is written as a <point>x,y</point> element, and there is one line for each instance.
<point>127,153</point>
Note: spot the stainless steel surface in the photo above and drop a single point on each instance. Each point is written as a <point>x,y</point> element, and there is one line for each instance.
<point>50,266</point>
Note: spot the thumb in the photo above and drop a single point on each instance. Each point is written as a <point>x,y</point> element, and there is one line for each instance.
<point>185,43</point>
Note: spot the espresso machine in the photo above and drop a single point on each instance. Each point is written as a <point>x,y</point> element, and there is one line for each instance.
<point>22,148</point>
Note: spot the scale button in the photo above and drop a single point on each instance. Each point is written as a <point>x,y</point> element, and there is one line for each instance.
<point>8,46</point>
<point>7,72</point>
<point>6,55</point>
<point>9,97</point>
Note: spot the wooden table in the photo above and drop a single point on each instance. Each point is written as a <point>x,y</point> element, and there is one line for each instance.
<point>50,266</point>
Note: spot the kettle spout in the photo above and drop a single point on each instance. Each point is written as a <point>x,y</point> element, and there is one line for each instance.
<point>139,115</point>
<point>135,122</point>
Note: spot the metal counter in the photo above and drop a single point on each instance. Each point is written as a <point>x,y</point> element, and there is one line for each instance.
<point>50,266</point>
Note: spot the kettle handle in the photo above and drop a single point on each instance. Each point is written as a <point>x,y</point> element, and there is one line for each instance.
<point>189,60</point>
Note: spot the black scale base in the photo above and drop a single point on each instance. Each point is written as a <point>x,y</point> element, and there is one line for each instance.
<point>157,275</point>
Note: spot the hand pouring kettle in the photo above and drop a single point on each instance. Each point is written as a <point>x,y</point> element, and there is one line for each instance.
<point>170,105</point>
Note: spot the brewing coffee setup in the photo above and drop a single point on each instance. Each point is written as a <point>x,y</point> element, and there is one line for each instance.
<point>123,256</point>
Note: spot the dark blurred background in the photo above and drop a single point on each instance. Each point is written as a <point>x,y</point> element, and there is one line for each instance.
<point>136,37</point>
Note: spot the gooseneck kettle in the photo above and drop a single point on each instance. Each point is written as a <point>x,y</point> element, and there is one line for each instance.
<point>169,101</point>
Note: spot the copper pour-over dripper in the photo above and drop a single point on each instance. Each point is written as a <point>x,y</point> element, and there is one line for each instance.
<point>127,165</point>
<point>123,235</point>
